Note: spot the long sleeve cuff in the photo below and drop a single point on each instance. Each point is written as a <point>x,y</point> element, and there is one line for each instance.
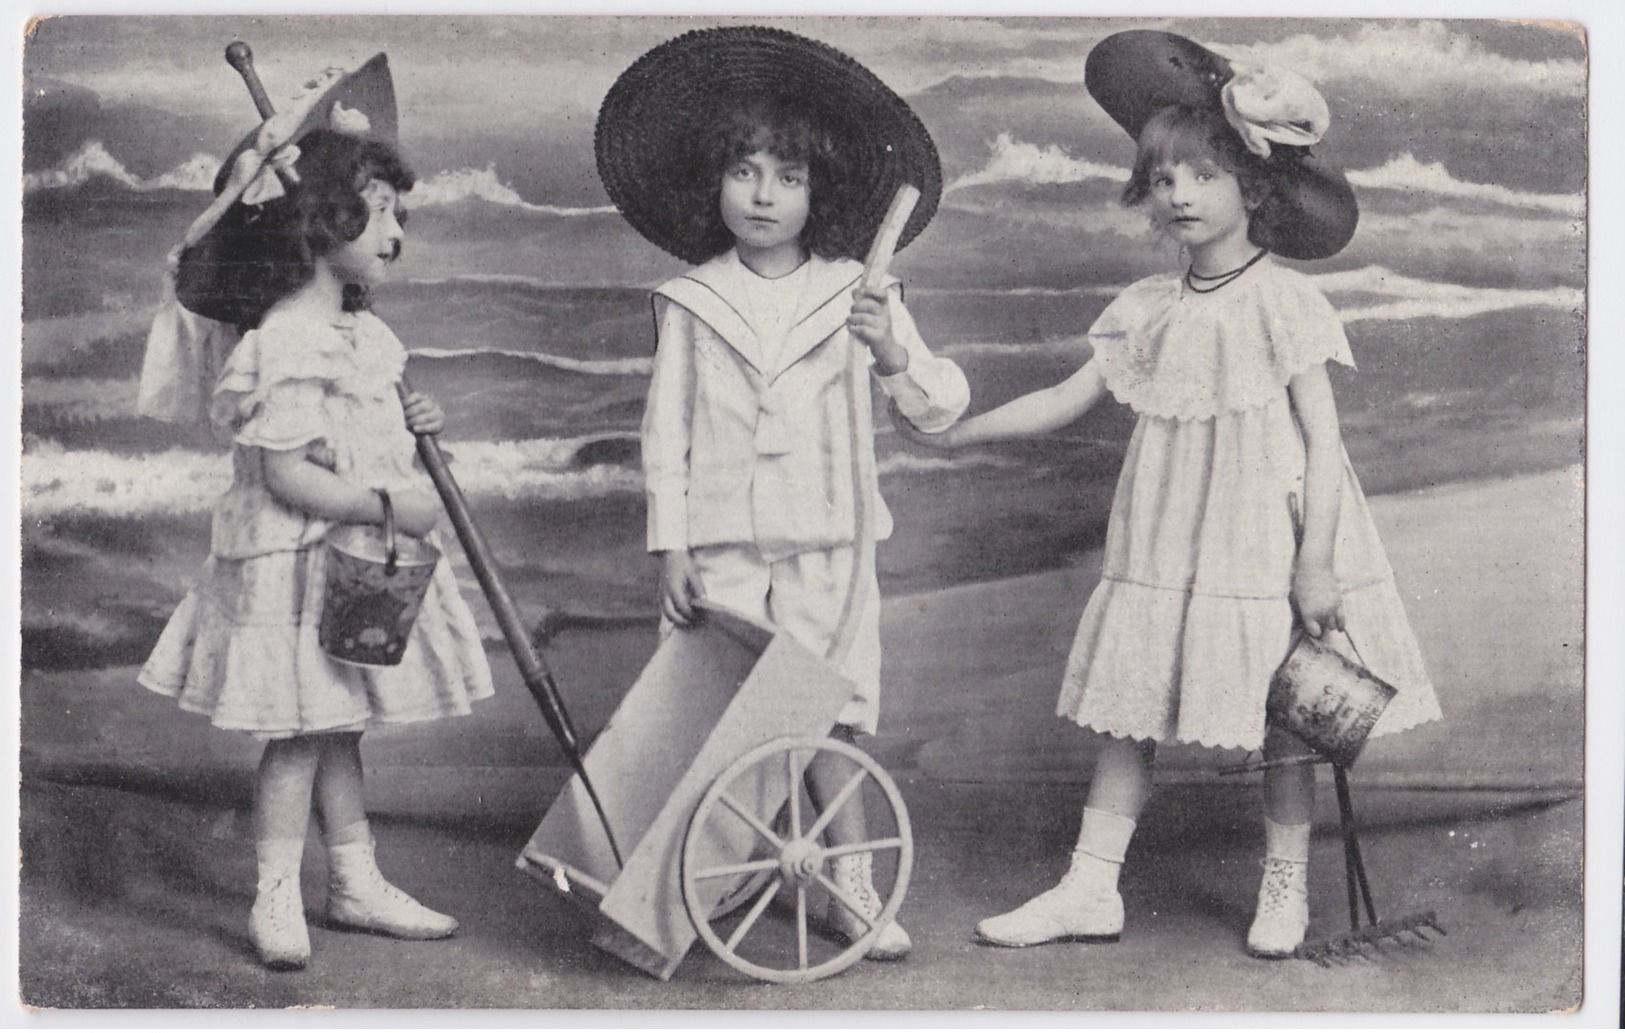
<point>932,394</point>
<point>668,520</point>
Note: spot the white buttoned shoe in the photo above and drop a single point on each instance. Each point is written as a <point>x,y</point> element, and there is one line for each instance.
<point>854,874</point>
<point>1075,910</point>
<point>276,925</point>
<point>359,897</point>
<point>1282,917</point>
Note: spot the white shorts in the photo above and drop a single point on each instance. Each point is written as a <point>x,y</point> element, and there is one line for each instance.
<point>804,594</point>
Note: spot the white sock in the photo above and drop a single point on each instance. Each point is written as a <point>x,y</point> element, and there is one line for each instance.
<point>1286,842</point>
<point>278,859</point>
<point>1102,844</point>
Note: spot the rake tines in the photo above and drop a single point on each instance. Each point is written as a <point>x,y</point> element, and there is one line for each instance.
<point>1378,937</point>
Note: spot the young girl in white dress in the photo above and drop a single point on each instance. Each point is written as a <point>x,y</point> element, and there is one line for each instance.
<point>320,436</point>
<point>1237,511</point>
<point>768,160</point>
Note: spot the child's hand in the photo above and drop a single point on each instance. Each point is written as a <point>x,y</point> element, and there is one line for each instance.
<point>1319,603</point>
<point>943,440</point>
<point>679,586</point>
<point>416,512</point>
<point>423,414</point>
<point>870,322</point>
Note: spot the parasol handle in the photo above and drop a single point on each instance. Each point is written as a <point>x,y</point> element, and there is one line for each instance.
<point>241,58</point>
<point>874,272</point>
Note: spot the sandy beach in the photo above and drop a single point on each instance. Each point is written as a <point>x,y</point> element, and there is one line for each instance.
<point>1491,574</point>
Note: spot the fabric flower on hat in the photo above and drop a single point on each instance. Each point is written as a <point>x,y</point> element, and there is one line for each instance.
<point>1265,106</point>
<point>348,120</point>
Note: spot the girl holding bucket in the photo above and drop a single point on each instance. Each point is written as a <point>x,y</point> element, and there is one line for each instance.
<point>1210,558</point>
<point>768,160</point>
<point>320,439</point>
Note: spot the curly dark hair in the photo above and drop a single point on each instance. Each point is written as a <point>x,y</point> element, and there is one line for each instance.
<point>786,129</point>
<point>1180,133</point>
<point>266,252</point>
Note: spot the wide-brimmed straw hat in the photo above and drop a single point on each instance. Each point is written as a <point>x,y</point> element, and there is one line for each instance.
<point>1311,211</point>
<point>360,103</point>
<point>654,122</point>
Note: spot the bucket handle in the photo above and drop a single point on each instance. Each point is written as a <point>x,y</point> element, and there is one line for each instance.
<point>1299,632</point>
<point>391,555</point>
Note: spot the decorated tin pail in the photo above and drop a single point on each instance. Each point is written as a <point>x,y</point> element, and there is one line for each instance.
<point>1326,700</point>
<point>375,585</point>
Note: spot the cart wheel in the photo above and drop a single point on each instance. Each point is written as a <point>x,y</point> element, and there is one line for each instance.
<point>794,861</point>
<point>748,885</point>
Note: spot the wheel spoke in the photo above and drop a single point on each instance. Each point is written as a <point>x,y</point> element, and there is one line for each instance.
<point>754,913</point>
<point>801,925</point>
<point>867,846</point>
<point>795,793</point>
<point>846,899</point>
<point>725,871</point>
<point>750,819</point>
<point>836,803</point>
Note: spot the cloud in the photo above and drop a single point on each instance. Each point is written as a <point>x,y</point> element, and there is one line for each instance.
<point>1406,173</point>
<point>1412,57</point>
<point>1014,161</point>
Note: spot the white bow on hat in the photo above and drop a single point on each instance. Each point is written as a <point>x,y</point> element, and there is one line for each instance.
<point>185,351</point>
<point>1267,106</point>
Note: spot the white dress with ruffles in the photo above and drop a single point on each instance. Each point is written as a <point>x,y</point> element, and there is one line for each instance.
<point>1193,612</point>
<point>242,646</point>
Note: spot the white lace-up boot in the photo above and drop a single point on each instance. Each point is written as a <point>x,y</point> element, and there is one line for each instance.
<point>276,925</point>
<point>854,874</point>
<point>1282,918</point>
<point>358,895</point>
<point>1085,905</point>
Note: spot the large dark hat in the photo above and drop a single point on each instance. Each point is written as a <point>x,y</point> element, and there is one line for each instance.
<point>360,103</point>
<point>1311,211</point>
<point>655,118</point>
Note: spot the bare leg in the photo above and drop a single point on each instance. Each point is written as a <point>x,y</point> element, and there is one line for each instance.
<point>282,789</point>
<point>826,774</point>
<point>1122,779</point>
<point>1289,792</point>
<point>340,800</point>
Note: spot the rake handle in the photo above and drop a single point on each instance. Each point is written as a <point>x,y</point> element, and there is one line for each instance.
<point>1353,865</point>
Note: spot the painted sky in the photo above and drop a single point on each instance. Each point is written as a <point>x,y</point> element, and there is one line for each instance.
<point>1466,139</point>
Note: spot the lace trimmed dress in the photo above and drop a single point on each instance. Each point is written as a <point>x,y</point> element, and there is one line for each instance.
<point>242,645</point>
<point>1193,614</point>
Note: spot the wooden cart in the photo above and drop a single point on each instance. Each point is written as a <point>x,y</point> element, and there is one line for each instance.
<point>700,771</point>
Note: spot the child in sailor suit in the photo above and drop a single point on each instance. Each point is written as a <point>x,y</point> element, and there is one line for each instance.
<point>748,444</point>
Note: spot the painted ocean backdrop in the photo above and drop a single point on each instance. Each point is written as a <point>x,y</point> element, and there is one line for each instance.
<point>525,302</point>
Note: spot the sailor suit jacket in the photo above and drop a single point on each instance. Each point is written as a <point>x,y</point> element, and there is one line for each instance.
<point>744,447</point>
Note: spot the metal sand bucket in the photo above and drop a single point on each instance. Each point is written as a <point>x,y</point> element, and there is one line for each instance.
<point>375,584</point>
<point>1326,700</point>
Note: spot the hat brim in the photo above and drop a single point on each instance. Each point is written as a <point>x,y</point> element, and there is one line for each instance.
<point>1311,213</point>
<point>669,98</point>
<point>370,90</point>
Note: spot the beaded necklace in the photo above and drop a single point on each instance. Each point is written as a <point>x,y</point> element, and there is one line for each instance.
<point>1222,279</point>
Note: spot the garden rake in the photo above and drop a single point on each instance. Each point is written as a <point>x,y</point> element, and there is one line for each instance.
<point>1361,941</point>
<point>1376,935</point>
